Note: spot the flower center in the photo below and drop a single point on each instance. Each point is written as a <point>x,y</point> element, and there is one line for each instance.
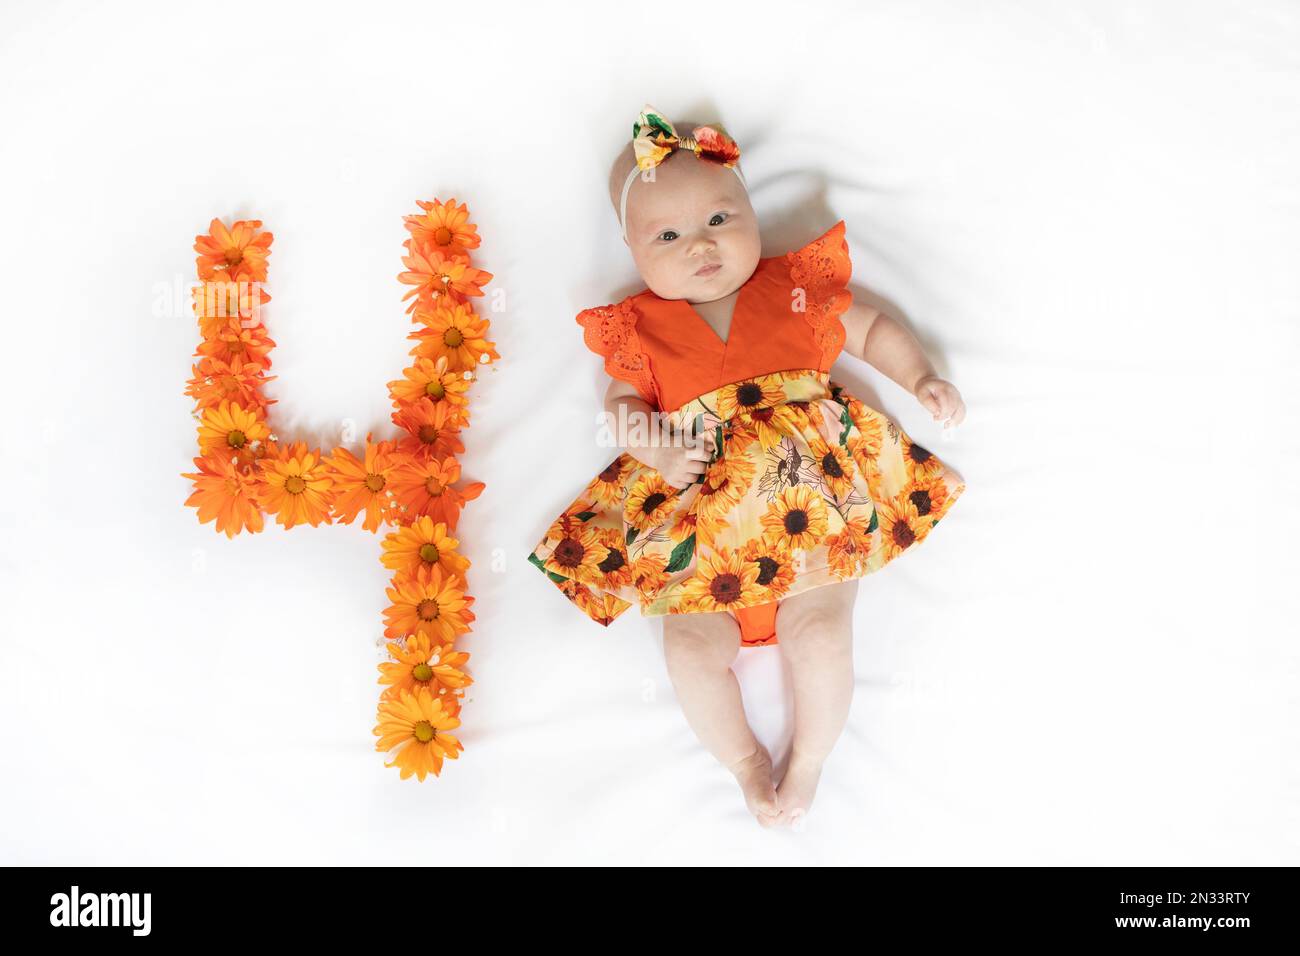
<point>653,501</point>
<point>613,561</point>
<point>434,389</point>
<point>236,439</point>
<point>428,434</point>
<point>442,235</point>
<point>453,337</point>
<point>903,534</point>
<point>568,553</point>
<point>796,522</point>
<point>375,482</point>
<point>427,609</point>
<point>294,485</point>
<point>422,672</point>
<point>433,486</point>
<point>423,731</point>
<point>725,588</point>
<point>429,552</point>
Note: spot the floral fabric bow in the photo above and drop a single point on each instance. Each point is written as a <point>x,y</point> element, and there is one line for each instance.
<point>654,138</point>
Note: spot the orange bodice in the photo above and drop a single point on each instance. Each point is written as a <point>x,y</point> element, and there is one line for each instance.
<point>786,316</point>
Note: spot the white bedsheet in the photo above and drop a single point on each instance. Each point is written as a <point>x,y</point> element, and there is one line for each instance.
<point>1088,213</point>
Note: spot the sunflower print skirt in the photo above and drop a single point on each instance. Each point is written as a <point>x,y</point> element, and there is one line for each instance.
<point>807,486</point>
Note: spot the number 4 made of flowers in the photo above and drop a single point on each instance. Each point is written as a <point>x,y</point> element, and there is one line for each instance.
<point>411,483</point>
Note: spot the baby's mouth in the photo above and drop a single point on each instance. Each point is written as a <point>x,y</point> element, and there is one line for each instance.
<point>709,270</point>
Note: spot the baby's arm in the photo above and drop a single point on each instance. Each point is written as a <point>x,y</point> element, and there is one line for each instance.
<point>635,428</point>
<point>885,344</point>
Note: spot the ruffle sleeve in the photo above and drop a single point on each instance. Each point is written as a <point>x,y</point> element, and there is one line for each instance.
<point>610,332</point>
<point>822,269</point>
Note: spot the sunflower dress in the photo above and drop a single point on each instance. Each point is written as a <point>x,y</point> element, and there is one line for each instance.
<point>807,486</point>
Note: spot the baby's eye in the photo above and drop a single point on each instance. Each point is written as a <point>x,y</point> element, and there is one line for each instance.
<point>717,215</point>
<point>669,233</point>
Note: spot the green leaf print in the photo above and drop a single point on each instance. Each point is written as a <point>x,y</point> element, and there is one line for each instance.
<point>541,565</point>
<point>631,536</point>
<point>681,556</point>
<point>874,523</point>
<point>585,515</point>
<point>847,422</point>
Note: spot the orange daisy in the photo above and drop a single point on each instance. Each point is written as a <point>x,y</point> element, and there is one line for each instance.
<point>444,227</point>
<point>428,603</point>
<point>228,300</point>
<point>236,381</point>
<point>234,343</point>
<point>361,484</point>
<point>430,379</point>
<point>423,663</point>
<point>225,249</point>
<point>434,429</point>
<point>423,543</point>
<point>425,487</point>
<point>435,277</point>
<point>454,331</point>
<point>296,486</point>
<point>229,429</point>
<point>227,494</point>
<point>417,724</point>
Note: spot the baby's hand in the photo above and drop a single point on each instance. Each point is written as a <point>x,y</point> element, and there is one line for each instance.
<point>941,399</point>
<point>680,464</point>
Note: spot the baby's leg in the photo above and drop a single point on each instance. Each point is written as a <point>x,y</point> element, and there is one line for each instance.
<point>699,649</point>
<point>815,632</point>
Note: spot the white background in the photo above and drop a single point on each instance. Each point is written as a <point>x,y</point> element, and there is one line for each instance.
<point>1088,213</point>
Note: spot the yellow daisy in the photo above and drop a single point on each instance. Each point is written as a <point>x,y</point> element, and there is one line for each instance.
<point>722,580</point>
<point>416,724</point>
<point>796,519</point>
<point>230,429</point>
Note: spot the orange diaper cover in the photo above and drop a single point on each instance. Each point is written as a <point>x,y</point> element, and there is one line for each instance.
<point>757,623</point>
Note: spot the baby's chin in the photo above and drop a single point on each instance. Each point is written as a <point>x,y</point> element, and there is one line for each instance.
<point>710,285</point>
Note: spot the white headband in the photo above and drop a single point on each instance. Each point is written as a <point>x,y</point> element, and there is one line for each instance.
<point>636,171</point>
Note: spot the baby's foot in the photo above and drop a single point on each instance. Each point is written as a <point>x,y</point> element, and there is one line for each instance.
<point>798,787</point>
<point>754,774</point>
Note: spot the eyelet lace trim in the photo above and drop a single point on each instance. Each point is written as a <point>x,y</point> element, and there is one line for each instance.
<point>822,269</point>
<point>610,331</point>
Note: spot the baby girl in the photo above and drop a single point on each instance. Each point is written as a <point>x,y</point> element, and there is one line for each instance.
<point>777,489</point>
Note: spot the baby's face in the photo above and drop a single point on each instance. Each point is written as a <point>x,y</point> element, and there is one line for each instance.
<point>694,214</point>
